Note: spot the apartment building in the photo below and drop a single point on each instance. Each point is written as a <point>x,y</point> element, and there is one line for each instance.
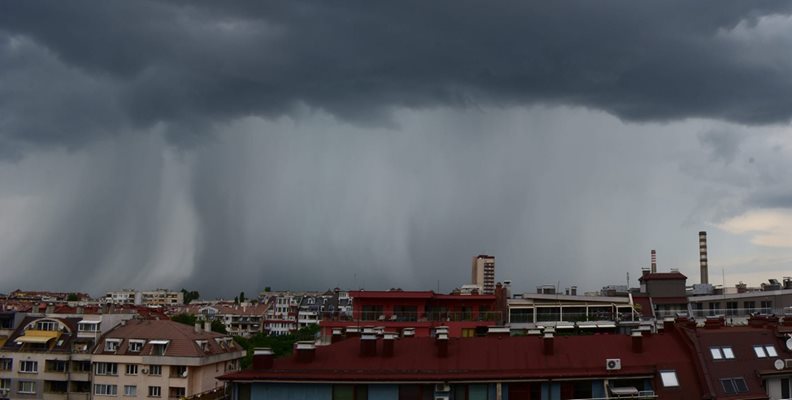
<point>47,358</point>
<point>244,319</point>
<point>483,273</point>
<point>161,359</point>
<point>125,296</point>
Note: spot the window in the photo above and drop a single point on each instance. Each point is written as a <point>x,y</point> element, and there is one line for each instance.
<point>81,366</point>
<point>669,378</point>
<point>30,367</point>
<point>178,371</point>
<point>720,353</point>
<point>350,392</point>
<point>112,344</point>
<point>785,388</point>
<point>88,327</point>
<point>28,387</point>
<point>734,385</point>
<point>731,308</point>
<point>136,345</point>
<point>750,306</point>
<point>46,326</point>
<point>131,369</point>
<point>101,389</point>
<point>104,368</point>
<point>763,351</point>
<point>177,392</point>
<point>158,347</point>
<point>130,390</point>
<point>766,306</point>
<point>5,384</point>
<point>6,364</point>
<point>55,366</point>
<point>155,369</point>
<point>154,391</point>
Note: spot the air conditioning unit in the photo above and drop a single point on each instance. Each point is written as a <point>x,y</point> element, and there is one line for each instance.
<point>613,364</point>
<point>788,362</point>
<point>440,387</point>
<point>144,371</point>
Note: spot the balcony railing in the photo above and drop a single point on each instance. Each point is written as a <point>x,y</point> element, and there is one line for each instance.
<point>430,316</point>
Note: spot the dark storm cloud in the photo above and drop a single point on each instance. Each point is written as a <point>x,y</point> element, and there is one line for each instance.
<point>189,65</point>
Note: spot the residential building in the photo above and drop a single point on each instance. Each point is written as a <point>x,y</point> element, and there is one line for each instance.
<point>420,311</point>
<point>537,310</point>
<point>161,358</point>
<point>162,297</point>
<point>245,319</point>
<point>126,296</point>
<point>47,357</point>
<point>483,273</point>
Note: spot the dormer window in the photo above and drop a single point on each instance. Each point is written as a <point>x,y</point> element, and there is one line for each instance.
<point>720,353</point>
<point>158,347</point>
<point>136,345</point>
<point>764,351</point>
<point>46,326</point>
<point>203,344</point>
<point>112,344</point>
<point>88,326</point>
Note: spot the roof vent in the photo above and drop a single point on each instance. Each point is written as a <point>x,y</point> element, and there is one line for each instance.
<point>306,351</point>
<point>408,332</point>
<point>388,341</point>
<point>548,340</point>
<point>637,342</point>
<point>352,331</point>
<point>499,331</point>
<point>262,358</point>
<point>442,344</point>
<point>368,345</point>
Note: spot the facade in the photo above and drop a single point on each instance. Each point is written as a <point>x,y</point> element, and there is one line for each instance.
<point>419,311</point>
<point>244,319</point>
<point>47,358</point>
<point>159,297</point>
<point>161,358</point>
<point>532,310</point>
<point>126,296</point>
<point>483,273</point>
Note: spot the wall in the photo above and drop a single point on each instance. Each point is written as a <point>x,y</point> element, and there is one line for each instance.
<point>293,391</point>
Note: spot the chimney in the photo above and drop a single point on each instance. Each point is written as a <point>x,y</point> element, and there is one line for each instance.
<point>498,331</point>
<point>408,332</point>
<point>547,339</point>
<point>703,256</point>
<point>50,308</point>
<point>637,342</point>
<point>442,345</point>
<point>368,344</point>
<point>207,326</point>
<point>338,335</point>
<point>306,350</point>
<point>654,262</point>
<point>262,358</point>
<point>388,341</point>
<point>197,327</point>
<point>668,325</point>
<point>352,331</point>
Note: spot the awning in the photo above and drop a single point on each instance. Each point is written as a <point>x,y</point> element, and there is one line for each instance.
<point>33,339</point>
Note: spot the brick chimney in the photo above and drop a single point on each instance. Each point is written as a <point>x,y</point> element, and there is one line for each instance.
<point>262,358</point>
<point>352,331</point>
<point>306,351</point>
<point>548,348</point>
<point>442,345</point>
<point>408,332</point>
<point>388,342</point>
<point>637,342</point>
<point>207,326</point>
<point>197,328</point>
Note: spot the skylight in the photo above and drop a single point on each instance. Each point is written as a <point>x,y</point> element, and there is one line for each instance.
<point>719,353</point>
<point>669,378</point>
<point>734,385</point>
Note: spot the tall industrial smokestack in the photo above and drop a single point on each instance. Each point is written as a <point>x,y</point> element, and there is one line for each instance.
<point>703,256</point>
<point>654,261</point>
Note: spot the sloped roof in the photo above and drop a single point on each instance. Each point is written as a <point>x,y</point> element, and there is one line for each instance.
<point>181,338</point>
<point>492,358</point>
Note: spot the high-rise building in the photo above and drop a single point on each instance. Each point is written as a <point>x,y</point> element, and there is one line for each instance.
<point>483,273</point>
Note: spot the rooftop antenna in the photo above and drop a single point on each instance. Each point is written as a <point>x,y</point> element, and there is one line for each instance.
<point>628,280</point>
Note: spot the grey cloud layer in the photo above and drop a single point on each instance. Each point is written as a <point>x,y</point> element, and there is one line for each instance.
<point>189,65</point>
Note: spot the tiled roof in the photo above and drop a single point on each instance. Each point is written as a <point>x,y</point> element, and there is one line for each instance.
<point>181,339</point>
<point>492,358</point>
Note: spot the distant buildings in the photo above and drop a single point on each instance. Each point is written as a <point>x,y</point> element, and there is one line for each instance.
<point>483,273</point>
<point>159,297</point>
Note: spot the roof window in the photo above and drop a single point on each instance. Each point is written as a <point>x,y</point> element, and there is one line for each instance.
<point>720,353</point>
<point>734,385</point>
<point>763,351</point>
<point>669,378</point>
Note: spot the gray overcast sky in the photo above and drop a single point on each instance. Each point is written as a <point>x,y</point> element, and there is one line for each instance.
<point>227,146</point>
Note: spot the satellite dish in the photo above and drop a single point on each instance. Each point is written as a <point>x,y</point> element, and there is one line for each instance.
<point>789,344</point>
<point>779,364</point>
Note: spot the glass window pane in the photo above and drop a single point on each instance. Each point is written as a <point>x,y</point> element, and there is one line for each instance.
<point>728,353</point>
<point>716,353</point>
<point>669,378</point>
<point>759,351</point>
<point>771,351</point>
<point>728,386</point>
<point>739,384</point>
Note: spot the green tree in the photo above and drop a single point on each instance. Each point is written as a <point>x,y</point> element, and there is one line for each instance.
<point>219,327</point>
<point>241,297</point>
<point>267,289</point>
<point>184,318</point>
<point>280,345</point>
<point>190,295</point>
<point>73,297</point>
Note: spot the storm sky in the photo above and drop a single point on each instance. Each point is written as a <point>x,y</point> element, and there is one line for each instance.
<point>228,146</point>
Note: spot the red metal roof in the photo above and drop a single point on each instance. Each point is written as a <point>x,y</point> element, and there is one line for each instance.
<point>661,276</point>
<point>492,358</point>
<point>391,294</point>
